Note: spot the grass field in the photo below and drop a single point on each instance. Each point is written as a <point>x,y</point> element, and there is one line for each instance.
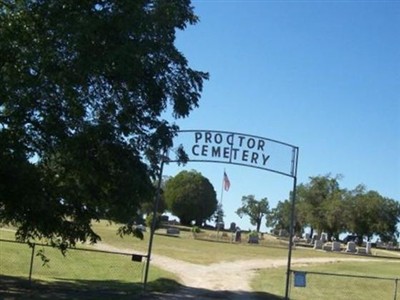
<point>79,272</point>
<point>186,248</point>
<point>104,274</point>
<point>335,287</point>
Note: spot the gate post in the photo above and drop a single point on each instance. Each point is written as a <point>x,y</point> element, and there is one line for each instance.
<point>154,221</point>
<point>31,266</point>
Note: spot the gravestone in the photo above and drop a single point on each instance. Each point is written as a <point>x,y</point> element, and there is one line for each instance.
<point>351,247</point>
<point>232,227</point>
<point>314,238</point>
<point>173,230</point>
<point>324,237</point>
<point>327,247</point>
<point>318,244</point>
<point>368,247</point>
<point>307,238</point>
<point>335,246</point>
<point>361,250</point>
<point>238,235</point>
<point>253,239</point>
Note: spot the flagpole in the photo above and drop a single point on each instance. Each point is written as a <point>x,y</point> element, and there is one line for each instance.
<point>220,203</point>
<point>222,187</point>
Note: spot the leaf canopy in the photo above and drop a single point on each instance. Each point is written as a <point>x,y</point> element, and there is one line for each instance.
<point>84,90</point>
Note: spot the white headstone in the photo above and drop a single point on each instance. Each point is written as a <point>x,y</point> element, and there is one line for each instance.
<point>318,244</point>
<point>368,247</point>
<point>327,247</point>
<point>173,230</point>
<point>335,246</point>
<point>361,250</point>
<point>351,247</point>
<point>324,237</point>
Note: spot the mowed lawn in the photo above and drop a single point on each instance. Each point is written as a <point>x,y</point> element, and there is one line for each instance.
<point>104,272</point>
<point>77,275</point>
<point>272,281</point>
<point>320,286</point>
<point>186,248</point>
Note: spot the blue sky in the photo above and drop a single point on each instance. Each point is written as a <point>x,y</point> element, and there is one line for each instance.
<point>320,75</point>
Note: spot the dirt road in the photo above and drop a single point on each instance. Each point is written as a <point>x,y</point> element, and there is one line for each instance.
<point>214,279</point>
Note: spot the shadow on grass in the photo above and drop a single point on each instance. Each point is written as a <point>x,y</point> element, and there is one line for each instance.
<point>13,288</point>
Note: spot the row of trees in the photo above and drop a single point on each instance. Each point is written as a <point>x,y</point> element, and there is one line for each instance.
<point>323,206</point>
<point>320,204</point>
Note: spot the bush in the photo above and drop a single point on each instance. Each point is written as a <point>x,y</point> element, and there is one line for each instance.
<point>253,234</point>
<point>196,229</point>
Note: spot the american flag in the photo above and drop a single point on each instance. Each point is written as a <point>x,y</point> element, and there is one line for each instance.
<point>227,183</point>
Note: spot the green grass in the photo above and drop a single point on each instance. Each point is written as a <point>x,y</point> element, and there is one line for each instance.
<point>334,287</point>
<point>185,247</point>
<point>93,272</point>
<point>77,272</point>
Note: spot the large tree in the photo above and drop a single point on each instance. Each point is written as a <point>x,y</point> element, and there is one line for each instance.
<point>279,217</point>
<point>255,209</point>
<point>84,85</point>
<point>368,213</point>
<point>321,204</point>
<point>191,197</point>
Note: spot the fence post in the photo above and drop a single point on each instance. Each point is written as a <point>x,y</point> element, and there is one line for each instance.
<point>395,288</point>
<point>31,267</point>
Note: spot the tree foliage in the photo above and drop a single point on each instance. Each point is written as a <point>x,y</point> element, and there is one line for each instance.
<point>279,217</point>
<point>83,88</point>
<point>370,213</point>
<point>322,205</point>
<point>191,197</point>
<point>219,215</point>
<point>255,209</point>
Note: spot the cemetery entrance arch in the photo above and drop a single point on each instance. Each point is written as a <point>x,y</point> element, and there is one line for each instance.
<point>238,149</point>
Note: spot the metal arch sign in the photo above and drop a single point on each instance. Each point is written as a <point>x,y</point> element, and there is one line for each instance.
<point>239,149</point>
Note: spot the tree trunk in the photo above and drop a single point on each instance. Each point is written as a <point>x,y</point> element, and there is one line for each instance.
<point>258,225</point>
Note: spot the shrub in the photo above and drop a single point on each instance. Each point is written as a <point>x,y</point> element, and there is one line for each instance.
<point>196,229</point>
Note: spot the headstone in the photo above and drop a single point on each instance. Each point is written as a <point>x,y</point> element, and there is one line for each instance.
<point>253,239</point>
<point>232,227</point>
<point>335,246</point>
<point>314,238</point>
<point>173,230</point>
<point>351,247</point>
<point>307,238</point>
<point>368,247</point>
<point>323,237</point>
<point>238,235</point>
<point>361,250</point>
<point>327,247</point>
<point>318,244</point>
